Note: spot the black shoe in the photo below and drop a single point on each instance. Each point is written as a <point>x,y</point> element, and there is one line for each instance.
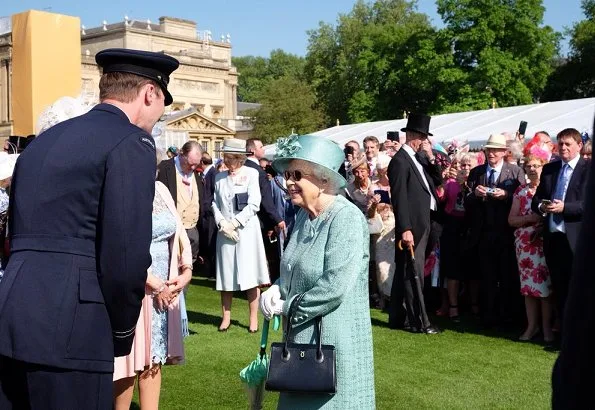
<point>224,329</point>
<point>431,330</point>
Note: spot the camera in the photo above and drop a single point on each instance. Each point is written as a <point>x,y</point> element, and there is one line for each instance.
<point>490,191</point>
<point>349,150</point>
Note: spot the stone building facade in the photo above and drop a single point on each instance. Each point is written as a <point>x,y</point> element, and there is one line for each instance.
<point>204,88</point>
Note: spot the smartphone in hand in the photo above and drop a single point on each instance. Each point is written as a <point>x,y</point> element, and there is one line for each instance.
<point>384,196</point>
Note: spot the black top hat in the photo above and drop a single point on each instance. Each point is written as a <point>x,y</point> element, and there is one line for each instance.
<point>156,66</point>
<point>418,123</point>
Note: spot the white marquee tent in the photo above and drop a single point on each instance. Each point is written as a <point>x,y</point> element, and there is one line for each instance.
<point>476,126</point>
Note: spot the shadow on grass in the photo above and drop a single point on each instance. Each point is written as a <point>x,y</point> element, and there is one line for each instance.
<point>134,406</point>
<point>468,324</point>
<point>206,319</point>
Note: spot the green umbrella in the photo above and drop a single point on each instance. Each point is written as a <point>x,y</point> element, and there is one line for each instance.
<point>255,373</point>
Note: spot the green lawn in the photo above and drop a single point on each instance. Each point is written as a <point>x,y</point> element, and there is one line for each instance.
<point>453,370</point>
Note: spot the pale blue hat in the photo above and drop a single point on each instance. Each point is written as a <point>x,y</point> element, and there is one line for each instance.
<point>320,151</point>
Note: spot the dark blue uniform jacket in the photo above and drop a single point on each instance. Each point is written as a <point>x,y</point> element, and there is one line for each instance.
<point>80,232</point>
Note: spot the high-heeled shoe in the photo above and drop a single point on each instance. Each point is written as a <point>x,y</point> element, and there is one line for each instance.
<point>224,329</point>
<point>532,336</point>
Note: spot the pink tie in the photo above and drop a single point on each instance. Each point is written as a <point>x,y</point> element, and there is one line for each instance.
<point>186,181</point>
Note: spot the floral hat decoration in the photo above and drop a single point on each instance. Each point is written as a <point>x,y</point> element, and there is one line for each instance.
<point>320,151</point>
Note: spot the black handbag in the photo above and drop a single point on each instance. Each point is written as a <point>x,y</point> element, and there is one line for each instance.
<point>241,200</point>
<point>302,368</point>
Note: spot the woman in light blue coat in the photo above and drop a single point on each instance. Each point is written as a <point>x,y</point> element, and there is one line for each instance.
<point>240,260</point>
<point>326,260</point>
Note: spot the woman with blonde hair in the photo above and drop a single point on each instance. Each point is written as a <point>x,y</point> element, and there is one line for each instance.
<point>241,262</point>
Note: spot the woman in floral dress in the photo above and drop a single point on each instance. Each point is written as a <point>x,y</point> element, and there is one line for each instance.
<point>535,277</point>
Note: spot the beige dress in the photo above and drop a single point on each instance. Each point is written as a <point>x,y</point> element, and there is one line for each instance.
<point>385,246</point>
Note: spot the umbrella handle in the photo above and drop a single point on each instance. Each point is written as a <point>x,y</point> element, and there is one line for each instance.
<point>265,334</point>
<point>265,330</point>
<point>411,250</point>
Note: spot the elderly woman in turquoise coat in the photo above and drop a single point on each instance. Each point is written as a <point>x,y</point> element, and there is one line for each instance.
<point>326,260</point>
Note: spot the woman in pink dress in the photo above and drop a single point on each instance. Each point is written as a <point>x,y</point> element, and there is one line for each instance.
<point>535,277</point>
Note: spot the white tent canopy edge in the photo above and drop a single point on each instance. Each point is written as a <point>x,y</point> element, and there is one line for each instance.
<point>477,126</point>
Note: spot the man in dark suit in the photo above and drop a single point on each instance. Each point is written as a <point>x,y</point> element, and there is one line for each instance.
<point>270,220</point>
<point>207,225</point>
<point>488,204</point>
<point>559,198</point>
<point>573,375</point>
<point>80,232</point>
<point>413,176</point>
<point>185,186</point>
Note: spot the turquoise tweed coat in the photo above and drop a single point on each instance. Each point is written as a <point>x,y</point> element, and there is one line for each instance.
<point>327,259</point>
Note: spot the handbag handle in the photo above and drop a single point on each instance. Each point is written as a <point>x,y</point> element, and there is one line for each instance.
<point>292,309</point>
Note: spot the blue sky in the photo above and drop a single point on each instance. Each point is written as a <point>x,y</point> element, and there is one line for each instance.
<point>257,26</point>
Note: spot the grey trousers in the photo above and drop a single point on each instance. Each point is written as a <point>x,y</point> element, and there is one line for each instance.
<point>193,237</point>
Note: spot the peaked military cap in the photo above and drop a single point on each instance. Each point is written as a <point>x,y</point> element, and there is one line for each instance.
<point>156,66</point>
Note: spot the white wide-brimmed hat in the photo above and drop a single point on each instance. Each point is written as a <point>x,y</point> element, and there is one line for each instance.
<point>234,146</point>
<point>497,141</point>
<point>62,109</point>
<point>7,163</point>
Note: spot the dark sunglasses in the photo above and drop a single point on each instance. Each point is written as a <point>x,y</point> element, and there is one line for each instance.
<point>295,175</point>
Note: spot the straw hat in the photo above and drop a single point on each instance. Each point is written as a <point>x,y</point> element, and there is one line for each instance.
<point>497,141</point>
<point>234,146</point>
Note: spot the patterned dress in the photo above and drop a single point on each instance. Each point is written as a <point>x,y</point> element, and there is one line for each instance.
<point>535,276</point>
<point>327,260</point>
<point>164,227</point>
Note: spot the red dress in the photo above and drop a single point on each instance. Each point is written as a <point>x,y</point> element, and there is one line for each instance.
<point>535,276</point>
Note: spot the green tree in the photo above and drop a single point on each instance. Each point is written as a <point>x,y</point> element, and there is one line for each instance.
<point>357,68</point>
<point>287,105</point>
<point>502,49</point>
<point>257,72</point>
<point>575,77</point>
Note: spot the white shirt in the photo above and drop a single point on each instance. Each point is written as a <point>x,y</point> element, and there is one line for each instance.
<point>498,170</point>
<point>419,167</point>
<point>561,227</point>
<point>254,159</point>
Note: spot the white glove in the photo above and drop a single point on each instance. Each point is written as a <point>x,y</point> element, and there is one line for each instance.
<point>269,300</point>
<point>229,230</point>
<point>278,306</point>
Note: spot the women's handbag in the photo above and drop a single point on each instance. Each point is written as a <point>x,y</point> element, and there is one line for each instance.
<point>375,225</point>
<point>302,368</point>
<point>241,200</point>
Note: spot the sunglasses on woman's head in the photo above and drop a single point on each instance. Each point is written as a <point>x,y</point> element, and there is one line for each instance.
<point>295,175</point>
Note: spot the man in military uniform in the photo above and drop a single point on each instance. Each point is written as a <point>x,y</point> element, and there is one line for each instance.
<point>80,226</point>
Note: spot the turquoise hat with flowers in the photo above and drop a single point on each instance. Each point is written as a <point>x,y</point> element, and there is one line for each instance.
<point>319,151</point>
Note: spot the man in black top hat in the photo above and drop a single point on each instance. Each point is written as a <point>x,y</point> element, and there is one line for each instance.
<point>80,231</point>
<point>413,176</point>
